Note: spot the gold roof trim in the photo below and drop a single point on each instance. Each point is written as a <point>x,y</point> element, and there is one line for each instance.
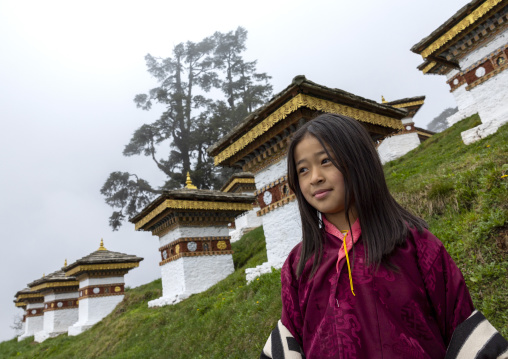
<point>461,26</point>
<point>294,104</point>
<point>407,104</point>
<point>31,295</point>
<point>21,304</point>
<point>55,285</point>
<point>239,181</point>
<point>108,266</point>
<point>182,204</point>
<point>429,67</point>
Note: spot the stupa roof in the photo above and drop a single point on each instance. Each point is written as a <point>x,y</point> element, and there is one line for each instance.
<point>449,24</point>
<point>471,26</point>
<point>303,93</point>
<point>408,101</point>
<point>53,280</point>
<point>239,177</point>
<point>193,199</point>
<point>102,256</point>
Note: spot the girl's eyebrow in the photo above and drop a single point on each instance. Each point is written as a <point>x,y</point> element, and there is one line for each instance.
<point>315,155</point>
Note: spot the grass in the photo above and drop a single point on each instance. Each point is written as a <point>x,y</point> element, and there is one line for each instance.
<point>458,189</point>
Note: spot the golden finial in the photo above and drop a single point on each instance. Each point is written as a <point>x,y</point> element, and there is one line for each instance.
<point>65,263</point>
<point>383,99</point>
<point>43,275</point>
<point>102,248</point>
<point>188,182</point>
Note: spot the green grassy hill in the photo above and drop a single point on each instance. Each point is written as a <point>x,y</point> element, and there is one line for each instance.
<point>458,189</point>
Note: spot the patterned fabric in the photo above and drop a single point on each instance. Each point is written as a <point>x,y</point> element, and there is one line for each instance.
<point>476,338</point>
<point>281,345</point>
<point>408,313</point>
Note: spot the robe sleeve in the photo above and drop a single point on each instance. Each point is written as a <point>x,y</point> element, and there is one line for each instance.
<point>448,293</point>
<point>291,314</point>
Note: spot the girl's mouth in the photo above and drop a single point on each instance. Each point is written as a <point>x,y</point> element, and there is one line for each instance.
<point>321,193</point>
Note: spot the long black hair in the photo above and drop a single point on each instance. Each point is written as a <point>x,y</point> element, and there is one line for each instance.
<point>385,224</point>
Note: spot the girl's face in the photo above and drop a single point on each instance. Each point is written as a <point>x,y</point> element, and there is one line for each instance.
<point>321,183</point>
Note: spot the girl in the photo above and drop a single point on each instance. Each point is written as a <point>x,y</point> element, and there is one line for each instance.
<point>368,280</point>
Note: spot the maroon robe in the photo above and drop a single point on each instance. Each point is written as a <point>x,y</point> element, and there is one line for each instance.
<point>409,313</point>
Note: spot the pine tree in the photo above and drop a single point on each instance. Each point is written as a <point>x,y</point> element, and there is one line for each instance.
<point>177,141</point>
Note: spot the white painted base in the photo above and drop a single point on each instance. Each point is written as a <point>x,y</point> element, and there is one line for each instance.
<point>41,336</point>
<point>245,223</point>
<point>32,324</point>
<point>283,231</point>
<point>253,273</point>
<point>397,146</point>
<point>479,132</point>
<point>57,322</point>
<point>191,275</point>
<point>93,310</point>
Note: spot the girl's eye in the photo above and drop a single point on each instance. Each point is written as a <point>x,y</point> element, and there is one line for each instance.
<point>325,161</point>
<point>302,170</point>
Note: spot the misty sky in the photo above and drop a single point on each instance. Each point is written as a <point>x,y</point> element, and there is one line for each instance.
<point>69,71</point>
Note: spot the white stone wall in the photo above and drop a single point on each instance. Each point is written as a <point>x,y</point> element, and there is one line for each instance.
<point>56,322</point>
<point>190,275</point>
<point>92,311</point>
<point>244,223</point>
<point>189,231</point>
<point>396,146</point>
<point>283,231</point>
<point>492,99</point>
<point>102,280</point>
<point>32,324</point>
<point>271,173</point>
<point>488,99</point>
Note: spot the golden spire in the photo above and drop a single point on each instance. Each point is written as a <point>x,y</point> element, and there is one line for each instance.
<point>43,275</point>
<point>188,182</point>
<point>102,248</point>
<point>65,263</point>
<point>383,99</point>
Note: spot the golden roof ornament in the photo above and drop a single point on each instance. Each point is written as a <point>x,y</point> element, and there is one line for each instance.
<point>188,182</point>
<point>65,263</point>
<point>383,99</point>
<point>102,248</point>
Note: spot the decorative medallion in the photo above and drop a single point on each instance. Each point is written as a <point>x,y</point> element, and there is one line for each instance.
<point>164,254</point>
<point>81,293</point>
<point>46,306</point>
<point>96,290</point>
<point>456,82</point>
<point>34,311</point>
<point>191,246</point>
<point>267,198</point>
<point>52,305</point>
<point>222,245</point>
<point>177,248</point>
<point>118,289</point>
<point>59,304</point>
<point>500,61</point>
<point>206,247</point>
<point>480,71</point>
<point>408,127</point>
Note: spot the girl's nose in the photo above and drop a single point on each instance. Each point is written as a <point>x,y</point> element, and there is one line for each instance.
<point>317,177</point>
